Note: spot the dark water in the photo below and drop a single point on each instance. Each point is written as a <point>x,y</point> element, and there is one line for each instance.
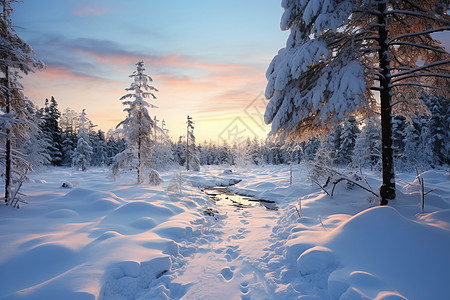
<point>222,196</point>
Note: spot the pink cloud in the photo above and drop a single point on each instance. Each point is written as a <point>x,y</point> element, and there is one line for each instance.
<point>60,72</point>
<point>175,60</point>
<point>90,11</point>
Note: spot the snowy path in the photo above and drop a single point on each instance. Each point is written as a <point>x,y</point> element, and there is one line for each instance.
<point>226,267</point>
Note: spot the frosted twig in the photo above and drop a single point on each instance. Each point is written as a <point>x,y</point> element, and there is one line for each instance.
<point>320,220</point>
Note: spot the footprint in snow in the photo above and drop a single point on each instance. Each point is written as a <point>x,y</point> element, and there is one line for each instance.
<point>244,287</point>
<point>227,273</point>
<point>231,253</point>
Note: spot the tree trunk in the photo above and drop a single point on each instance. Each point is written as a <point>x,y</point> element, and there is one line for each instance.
<point>187,147</point>
<point>8,141</point>
<point>387,189</point>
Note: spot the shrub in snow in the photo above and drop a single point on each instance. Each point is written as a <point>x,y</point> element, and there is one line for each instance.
<point>67,185</point>
<point>154,178</point>
<point>227,172</point>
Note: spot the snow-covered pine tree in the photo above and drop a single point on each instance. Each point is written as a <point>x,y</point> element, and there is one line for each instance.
<point>16,58</point>
<point>163,155</point>
<point>36,148</point>
<point>224,155</point>
<point>349,134</point>
<point>138,127</point>
<point>439,126</point>
<point>192,161</point>
<point>341,53</point>
<point>68,146</point>
<point>417,140</point>
<point>399,126</point>
<point>81,159</point>
<point>310,148</point>
<point>99,149</point>
<point>50,127</point>
<point>367,152</point>
<point>179,151</point>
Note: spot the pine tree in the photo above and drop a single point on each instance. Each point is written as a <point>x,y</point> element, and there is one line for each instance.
<point>348,138</point>
<point>50,127</point>
<point>340,53</point>
<point>179,152</point>
<point>68,146</point>
<point>192,161</point>
<point>16,58</point>
<point>163,155</point>
<point>398,137</point>
<point>36,148</point>
<point>417,141</point>
<point>138,127</point>
<point>367,152</point>
<point>99,149</point>
<point>439,127</point>
<point>81,158</point>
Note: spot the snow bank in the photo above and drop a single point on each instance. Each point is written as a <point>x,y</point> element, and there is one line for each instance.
<point>117,240</point>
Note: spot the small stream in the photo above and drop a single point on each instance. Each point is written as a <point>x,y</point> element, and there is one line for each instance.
<point>222,196</point>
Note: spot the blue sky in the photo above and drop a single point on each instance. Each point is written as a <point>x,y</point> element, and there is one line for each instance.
<point>207,58</point>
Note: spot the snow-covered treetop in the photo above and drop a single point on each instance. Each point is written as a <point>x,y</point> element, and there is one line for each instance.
<point>16,53</point>
<point>137,108</point>
<point>140,85</point>
<point>314,17</point>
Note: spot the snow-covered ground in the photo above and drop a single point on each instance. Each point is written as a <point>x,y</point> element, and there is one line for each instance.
<point>118,240</point>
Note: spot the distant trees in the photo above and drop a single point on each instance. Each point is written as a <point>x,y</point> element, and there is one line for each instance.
<point>16,58</point>
<point>341,54</point>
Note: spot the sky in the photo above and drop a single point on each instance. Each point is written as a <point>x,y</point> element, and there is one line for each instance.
<point>207,59</point>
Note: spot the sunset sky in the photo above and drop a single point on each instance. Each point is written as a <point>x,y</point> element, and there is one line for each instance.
<point>207,58</point>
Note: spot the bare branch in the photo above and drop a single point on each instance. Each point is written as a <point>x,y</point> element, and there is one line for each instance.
<point>419,46</point>
<point>415,84</point>
<point>416,14</point>
<point>412,70</point>
<point>445,28</point>
<point>421,75</point>
<point>376,88</point>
